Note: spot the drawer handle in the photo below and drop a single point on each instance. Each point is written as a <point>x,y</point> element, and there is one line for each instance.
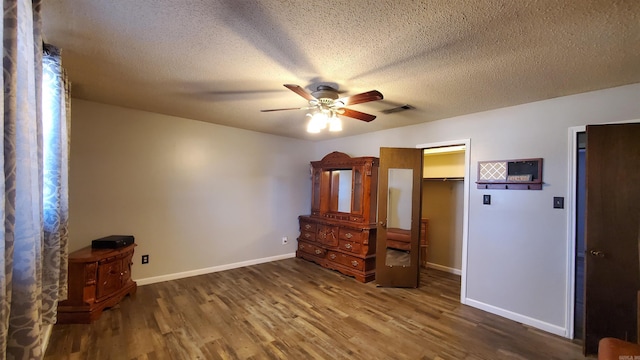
<point>348,235</point>
<point>307,226</point>
<point>301,246</point>
<point>318,251</point>
<point>348,246</point>
<point>307,235</point>
<point>354,263</point>
<point>332,256</point>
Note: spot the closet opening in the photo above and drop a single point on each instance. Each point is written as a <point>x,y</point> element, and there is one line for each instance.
<point>442,204</point>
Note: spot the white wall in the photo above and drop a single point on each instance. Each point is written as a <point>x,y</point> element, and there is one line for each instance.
<point>196,196</point>
<point>517,246</point>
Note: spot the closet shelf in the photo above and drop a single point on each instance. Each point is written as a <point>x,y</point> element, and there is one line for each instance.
<point>443,178</point>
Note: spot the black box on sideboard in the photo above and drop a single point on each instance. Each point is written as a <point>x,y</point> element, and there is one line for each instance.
<point>112,242</point>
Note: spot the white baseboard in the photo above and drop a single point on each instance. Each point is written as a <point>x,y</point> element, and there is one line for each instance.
<point>185,274</point>
<point>554,329</point>
<point>444,268</point>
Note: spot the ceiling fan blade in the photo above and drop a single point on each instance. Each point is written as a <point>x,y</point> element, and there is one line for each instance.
<point>372,95</point>
<point>296,108</point>
<point>357,115</point>
<point>300,91</point>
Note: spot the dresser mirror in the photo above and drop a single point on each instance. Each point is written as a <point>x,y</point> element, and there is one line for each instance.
<point>341,190</point>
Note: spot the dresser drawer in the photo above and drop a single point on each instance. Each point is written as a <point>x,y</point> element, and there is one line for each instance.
<point>346,260</point>
<point>307,227</point>
<point>355,218</point>
<point>352,235</point>
<point>327,235</point>
<point>350,246</point>
<point>309,236</point>
<point>311,249</point>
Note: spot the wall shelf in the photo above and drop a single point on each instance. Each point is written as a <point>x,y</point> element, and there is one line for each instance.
<point>520,174</point>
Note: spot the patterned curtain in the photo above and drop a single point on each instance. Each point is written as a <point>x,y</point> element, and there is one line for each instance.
<point>56,116</point>
<point>33,263</point>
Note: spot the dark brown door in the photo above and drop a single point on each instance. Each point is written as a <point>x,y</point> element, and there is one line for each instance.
<point>612,278</point>
<point>398,230</point>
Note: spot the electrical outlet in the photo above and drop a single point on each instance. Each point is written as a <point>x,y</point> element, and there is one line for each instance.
<point>145,259</point>
<point>285,240</point>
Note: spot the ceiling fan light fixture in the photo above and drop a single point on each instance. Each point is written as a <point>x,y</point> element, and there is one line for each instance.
<point>317,122</point>
<point>311,129</point>
<point>322,117</point>
<point>335,124</point>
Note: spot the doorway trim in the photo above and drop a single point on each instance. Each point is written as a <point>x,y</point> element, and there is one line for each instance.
<point>571,229</point>
<point>465,211</point>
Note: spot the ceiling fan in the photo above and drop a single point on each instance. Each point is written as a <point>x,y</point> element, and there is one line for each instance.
<point>325,104</point>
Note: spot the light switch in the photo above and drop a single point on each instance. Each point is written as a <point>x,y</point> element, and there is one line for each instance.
<point>558,202</point>
<point>486,199</point>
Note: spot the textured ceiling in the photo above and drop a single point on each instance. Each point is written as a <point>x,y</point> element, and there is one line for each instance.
<point>221,61</point>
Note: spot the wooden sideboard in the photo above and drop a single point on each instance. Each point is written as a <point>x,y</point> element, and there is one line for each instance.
<point>340,232</point>
<point>98,279</point>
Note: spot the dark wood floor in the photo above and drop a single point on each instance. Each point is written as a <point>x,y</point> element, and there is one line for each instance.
<point>293,309</point>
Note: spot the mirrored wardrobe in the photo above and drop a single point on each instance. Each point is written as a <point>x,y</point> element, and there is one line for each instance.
<point>340,232</point>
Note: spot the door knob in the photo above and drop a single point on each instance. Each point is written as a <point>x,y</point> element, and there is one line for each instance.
<point>383,224</point>
<point>597,253</point>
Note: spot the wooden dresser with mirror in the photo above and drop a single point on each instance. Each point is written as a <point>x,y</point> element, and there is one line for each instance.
<point>340,232</point>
